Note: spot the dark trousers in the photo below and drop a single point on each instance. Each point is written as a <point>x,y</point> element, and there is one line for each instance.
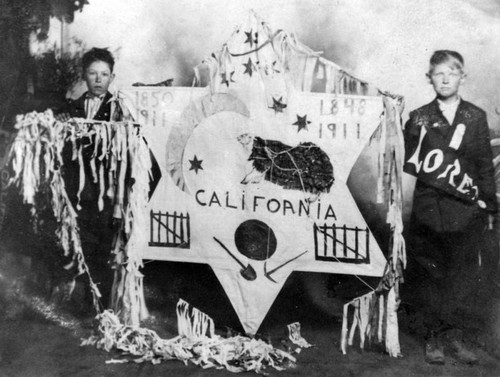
<point>444,281</point>
<point>97,234</point>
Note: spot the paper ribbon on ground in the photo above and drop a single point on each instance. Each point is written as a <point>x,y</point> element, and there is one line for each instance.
<point>196,343</point>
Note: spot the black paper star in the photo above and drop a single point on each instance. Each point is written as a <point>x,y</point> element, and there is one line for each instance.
<point>195,164</point>
<point>278,106</point>
<point>250,38</point>
<point>225,80</point>
<point>301,122</point>
<point>248,67</point>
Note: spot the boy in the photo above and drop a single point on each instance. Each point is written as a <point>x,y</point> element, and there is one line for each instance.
<point>96,227</point>
<point>94,104</point>
<point>98,74</point>
<point>448,150</point>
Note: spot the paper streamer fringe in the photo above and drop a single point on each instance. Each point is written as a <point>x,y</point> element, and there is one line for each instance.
<point>196,343</point>
<point>376,312</point>
<point>119,147</point>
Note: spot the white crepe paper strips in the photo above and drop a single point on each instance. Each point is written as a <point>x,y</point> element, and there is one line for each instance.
<point>128,294</point>
<point>36,158</point>
<point>198,344</point>
<point>193,323</point>
<point>119,149</point>
<point>295,337</point>
<point>376,312</point>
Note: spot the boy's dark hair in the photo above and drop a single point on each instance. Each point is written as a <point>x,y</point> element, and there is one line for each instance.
<point>442,56</point>
<point>97,54</point>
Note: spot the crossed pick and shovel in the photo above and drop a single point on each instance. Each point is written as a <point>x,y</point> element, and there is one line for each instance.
<point>249,273</point>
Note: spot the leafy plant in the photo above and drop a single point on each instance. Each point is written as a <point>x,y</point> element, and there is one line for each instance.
<point>56,72</point>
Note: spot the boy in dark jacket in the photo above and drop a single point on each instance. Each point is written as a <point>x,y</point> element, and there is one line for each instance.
<point>97,228</point>
<point>97,64</point>
<point>448,150</point>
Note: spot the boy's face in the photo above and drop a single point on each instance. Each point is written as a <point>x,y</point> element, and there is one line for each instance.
<point>98,77</point>
<point>446,79</point>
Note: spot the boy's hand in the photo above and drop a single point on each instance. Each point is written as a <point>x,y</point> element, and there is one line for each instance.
<point>62,117</point>
<point>491,218</point>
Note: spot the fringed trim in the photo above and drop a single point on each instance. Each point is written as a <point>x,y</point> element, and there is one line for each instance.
<point>376,312</point>
<point>195,343</point>
<point>128,294</point>
<point>390,188</point>
<point>36,159</point>
<point>193,323</point>
<point>287,52</point>
<point>339,81</point>
<point>374,319</point>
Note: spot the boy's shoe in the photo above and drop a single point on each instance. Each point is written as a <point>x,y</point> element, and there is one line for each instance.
<point>434,353</point>
<point>461,353</point>
<point>458,349</point>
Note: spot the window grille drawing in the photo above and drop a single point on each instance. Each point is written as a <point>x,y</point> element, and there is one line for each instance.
<point>170,230</point>
<point>334,243</point>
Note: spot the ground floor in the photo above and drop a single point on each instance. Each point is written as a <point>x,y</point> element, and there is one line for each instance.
<point>41,339</point>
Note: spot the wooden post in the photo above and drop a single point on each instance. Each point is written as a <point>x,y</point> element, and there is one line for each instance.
<point>158,219</point>
<point>367,255</point>
<point>334,231</point>
<point>174,234</point>
<point>345,240</point>
<point>356,246</point>
<point>315,231</point>
<point>188,230</point>
<point>182,217</point>
<point>325,241</point>
<point>151,232</point>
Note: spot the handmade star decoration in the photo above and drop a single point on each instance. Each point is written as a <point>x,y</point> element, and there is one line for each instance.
<point>271,200</point>
<point>248,67</point>
<point>278,105</point>
<point>195,164</point>
<point>251,39</point>
<point>225,79</point>
<point>301,123</point>
<point>255,191</point>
